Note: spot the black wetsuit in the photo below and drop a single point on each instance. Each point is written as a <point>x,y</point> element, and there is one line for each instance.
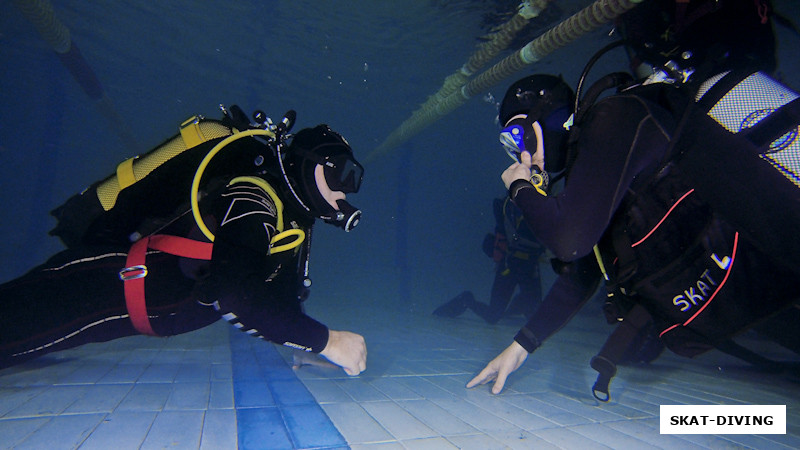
<point>516,289</point>
<point>621,147</point>
<point>76,297</point>
<point>516,253</point>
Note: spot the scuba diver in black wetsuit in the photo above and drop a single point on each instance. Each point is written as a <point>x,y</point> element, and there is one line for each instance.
<point>516,255</point>
<point>630,212</point>
<point>218,226</point>
<point>609,183</point>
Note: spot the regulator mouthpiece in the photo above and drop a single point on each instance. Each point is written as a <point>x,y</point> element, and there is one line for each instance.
<point>347,217</point>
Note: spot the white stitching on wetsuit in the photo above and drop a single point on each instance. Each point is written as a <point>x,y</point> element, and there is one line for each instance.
<point>82,260</point>
<point>249,194</point>
<point>73,334</point>
<point>93,324</point>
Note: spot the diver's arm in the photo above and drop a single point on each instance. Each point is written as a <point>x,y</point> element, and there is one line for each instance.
<point>620,139</point>
<point>574,287</point>
<point>248,286</point>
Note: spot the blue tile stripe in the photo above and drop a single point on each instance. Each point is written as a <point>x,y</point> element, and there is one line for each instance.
<point>274,410</point>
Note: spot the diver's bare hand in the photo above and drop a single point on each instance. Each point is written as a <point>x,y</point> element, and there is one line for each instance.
<point>347,350</point>
<point>518,170</point>
<point>501,367</point>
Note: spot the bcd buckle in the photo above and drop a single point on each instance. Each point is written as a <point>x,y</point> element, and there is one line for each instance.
<point>133,272</point>
<point>191,133</point>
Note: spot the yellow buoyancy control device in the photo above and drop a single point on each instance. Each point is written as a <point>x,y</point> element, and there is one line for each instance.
<point>193,132</point>
<point>149,191</point>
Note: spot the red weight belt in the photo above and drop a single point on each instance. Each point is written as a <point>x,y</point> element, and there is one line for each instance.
<point>135,271</point>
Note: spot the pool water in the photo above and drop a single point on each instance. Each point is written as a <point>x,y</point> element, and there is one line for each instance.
<point>362,67</point>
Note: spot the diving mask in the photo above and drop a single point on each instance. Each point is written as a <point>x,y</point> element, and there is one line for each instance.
<point>515,139</point>
<point>511,137</point>
<point>342,171</point>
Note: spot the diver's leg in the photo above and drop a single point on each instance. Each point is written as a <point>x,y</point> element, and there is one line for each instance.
<point>456,306</point>
<point>527,301</point>
<point>74,298</point>
<point>502,290</point>
<point>77,297</point>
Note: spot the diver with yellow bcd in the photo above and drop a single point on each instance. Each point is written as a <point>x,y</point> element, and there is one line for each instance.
<point>214,222</point>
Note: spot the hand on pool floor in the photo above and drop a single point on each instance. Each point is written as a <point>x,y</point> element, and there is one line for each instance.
<point>501,367</point>
<point>347,350</point>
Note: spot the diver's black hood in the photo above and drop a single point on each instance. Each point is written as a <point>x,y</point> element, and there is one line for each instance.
<point>299,163</point>
<point>548,100</point>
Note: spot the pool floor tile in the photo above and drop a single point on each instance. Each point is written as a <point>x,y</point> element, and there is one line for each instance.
<point>219,388</point>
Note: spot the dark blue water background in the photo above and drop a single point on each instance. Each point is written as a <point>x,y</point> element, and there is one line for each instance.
<point>361,66</point>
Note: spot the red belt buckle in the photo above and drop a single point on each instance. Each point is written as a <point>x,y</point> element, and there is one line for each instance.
<point>133,272</point>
